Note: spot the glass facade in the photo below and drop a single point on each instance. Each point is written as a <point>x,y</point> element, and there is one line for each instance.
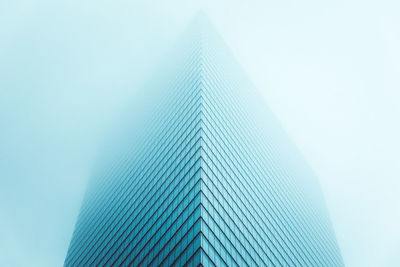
<point>205,175</point>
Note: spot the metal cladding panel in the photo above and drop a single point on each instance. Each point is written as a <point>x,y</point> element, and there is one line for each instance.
<point>205,176</point>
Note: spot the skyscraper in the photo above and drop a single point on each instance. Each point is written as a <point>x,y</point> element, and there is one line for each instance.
<point>204,175</point>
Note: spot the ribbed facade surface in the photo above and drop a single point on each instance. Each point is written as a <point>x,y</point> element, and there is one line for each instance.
<point>205,176</point>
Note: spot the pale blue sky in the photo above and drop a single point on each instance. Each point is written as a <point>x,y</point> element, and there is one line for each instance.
<point>329,70</point>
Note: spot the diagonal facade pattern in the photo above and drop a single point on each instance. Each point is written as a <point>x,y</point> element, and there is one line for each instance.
<point>206,177</point>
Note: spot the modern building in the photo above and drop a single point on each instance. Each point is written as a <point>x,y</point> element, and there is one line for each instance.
<point>204,174</point>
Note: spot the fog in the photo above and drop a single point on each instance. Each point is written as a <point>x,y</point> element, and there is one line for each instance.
<point>329,71</point>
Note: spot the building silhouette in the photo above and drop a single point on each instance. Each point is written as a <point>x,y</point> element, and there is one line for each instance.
<point>204,174</point>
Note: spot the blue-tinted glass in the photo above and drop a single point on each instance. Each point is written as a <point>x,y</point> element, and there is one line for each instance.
<point>207,176</point>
